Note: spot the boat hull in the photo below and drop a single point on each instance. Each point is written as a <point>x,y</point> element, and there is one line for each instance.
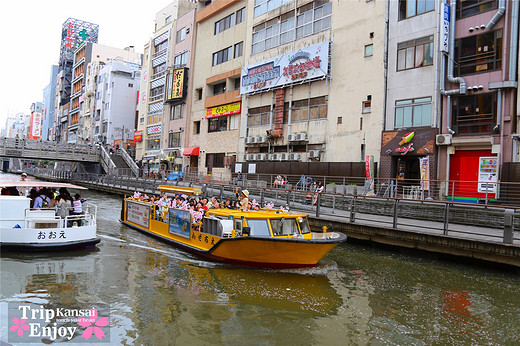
<point>251,251</point>
<point>47,239</point>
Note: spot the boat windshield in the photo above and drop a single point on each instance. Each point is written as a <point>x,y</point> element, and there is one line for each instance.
<point>284,226</point>
<point>259,227</point>
<point>304,225</point>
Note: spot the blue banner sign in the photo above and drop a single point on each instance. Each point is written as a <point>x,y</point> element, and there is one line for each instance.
<point>179,222</point>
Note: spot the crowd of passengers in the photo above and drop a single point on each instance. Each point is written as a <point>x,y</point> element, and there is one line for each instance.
<point>200,204</point>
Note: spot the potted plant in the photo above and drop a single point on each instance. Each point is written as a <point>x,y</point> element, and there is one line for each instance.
<point>351,189</point>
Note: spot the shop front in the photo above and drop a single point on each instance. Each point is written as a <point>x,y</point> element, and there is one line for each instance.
<point>408,158</point>
<point>473,176</point>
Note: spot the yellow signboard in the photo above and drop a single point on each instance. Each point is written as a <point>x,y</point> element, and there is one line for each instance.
<point>177,83</point>
<point>232,108</point>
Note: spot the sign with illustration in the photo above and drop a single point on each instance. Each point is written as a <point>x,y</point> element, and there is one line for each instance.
<point>179,222</point>
<point>232,108</point>
<point>177,82</point>
<point>487,174</point>
<point>138,213</point>
<point>300,65</point>
<point>400,143</point>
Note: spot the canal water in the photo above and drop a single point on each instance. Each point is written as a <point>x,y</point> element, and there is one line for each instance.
<point>158,295</point>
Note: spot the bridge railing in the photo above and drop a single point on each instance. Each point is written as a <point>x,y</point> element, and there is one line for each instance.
<point>106,162</point>
<point>28,148</point>
<point>129,161</point>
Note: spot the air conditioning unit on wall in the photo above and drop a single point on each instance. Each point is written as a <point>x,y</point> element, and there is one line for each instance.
<point>295,156</point>
<point>249,140</point>
<point>314,154</point>
<point>301,136</point>
<point>291,137</point>
<point>261,139</point>
<point>443,139</point>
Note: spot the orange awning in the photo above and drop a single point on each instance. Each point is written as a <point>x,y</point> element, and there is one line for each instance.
<point>192,151</point>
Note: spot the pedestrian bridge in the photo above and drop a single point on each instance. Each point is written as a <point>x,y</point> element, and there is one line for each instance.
<point>47,150</point>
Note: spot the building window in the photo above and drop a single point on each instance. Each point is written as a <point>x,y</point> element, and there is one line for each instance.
<point>239,48</point>
<point>181,59</point>
<point>168,19</point>
<point>223,56</point>
<point>130,85</point>
<point>474,114</point>
<point>312,18</point>
<point>157,93</point>
<point>217,124</point>
<point>413,112</point>
<point>415,53</point>
<point>410,8</point>
<point>163,46</point>
<point>153,143</point>
<point>264,6</point>
<point>233,121</point>
<point>174,139</point>
<point>367,105</point>
<point>236,83</point>
<point>225,23</point>
<point>369,50</point>
<point>196,127</point>
<point>198,93</point>
<point>176,111</point>
<point>215,160</point>
<point>240,15</point>
<point>181,35</point>
<point>471,8</point>
<point>340,120</point>
<point>479,53</point>
<point>258,116</point>
<point>219,88</point>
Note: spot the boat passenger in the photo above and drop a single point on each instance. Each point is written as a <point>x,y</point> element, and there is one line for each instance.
<point>77,205</point>
<point>244,200</point>
<point>24,176</point>
<point>63,204</point>
<point>42,201</point>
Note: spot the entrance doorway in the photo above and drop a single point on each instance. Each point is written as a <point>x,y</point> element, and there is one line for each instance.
<point>406,168</point>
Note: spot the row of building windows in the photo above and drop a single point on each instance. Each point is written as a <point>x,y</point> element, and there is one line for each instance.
<point>465,8</point>
<point>181,60</point>
<point>226,54</point>
<point>229,21</point>
<point>310,19</point>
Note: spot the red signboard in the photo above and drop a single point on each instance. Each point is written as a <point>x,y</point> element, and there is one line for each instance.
<point>138,136</point>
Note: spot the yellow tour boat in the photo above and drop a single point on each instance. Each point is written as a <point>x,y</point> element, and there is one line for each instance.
<point>266,238</point>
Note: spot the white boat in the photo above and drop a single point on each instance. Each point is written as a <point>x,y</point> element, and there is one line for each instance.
<point>26,229</point>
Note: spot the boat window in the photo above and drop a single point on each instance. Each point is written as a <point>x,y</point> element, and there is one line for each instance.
<point>259,228</point>
<point>304,225</point>
<point>284,226</point>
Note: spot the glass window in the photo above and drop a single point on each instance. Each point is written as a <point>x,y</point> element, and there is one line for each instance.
<point>369,50</point>
<point>174,139</point>
<point>219,88</point>
<point>176,111</point>
<point>153,143</point>
<point>218,124</point>
<point>239,48</point>
<point>415,53</point>
<point>474,7</point>
<point>181,59</point>
<point>479,53</point>
<point>474,114</point>
<point>225,23</point>
<point>259,228</point>
<point>284,226</point>
<point>413,112</point>
<point>222,56</point>
<point>240,15</point>
<point>181,35</point>
<point>410,8</point>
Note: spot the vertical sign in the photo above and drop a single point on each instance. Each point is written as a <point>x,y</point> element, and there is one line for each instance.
<point>487,174</point>
<point>178,84</point>
<point>424,164</point>
<point>445,28</point>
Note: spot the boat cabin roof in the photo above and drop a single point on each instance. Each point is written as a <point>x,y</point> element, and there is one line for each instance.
<point>254,214</point>
<point>180,189</point>
<point>32,183</point>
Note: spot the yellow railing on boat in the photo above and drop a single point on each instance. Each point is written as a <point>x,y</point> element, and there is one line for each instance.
<point>180,189</point>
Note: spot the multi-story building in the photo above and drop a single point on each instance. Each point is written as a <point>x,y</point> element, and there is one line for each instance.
<point>480,96</point>
<point>84,55</point>
<point>216,105</point>
<point>49,93</point>
<point>313,82</point>
<point>116,102</point>
<point>177,101</point>
<point>150,136</point>
<point>74,33</point>
<point>413,111</point>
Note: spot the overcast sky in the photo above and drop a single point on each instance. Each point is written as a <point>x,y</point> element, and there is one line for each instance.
<point>30,40</point>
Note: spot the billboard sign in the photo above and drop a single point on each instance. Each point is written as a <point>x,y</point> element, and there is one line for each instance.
<point>297,66</point>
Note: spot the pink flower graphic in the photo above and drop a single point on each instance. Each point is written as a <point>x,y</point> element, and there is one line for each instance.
<point>20,325</point>
<point>93,326</point>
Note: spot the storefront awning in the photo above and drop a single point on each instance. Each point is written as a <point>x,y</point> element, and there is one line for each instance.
<point>192,151</point>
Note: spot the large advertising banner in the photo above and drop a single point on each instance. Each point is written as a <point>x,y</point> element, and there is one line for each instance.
<point>179,222</point>
<point>36,125</point>
<point>487,174</point>
<point>220,111</point>
<point>138,213</point>
<point>300,65</point>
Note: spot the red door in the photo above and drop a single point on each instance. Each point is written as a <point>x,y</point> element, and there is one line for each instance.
<point>464,173</point>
